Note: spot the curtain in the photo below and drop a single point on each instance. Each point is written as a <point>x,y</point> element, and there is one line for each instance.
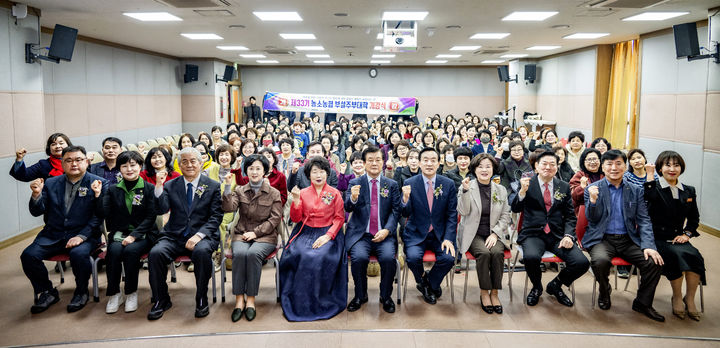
<point>621,117</point>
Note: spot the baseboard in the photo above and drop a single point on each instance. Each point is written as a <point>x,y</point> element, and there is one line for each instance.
<point>12,240</point>
<point>709,230</point>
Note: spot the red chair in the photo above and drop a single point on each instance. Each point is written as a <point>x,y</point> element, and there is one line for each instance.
<point>580,229</point>
<point>429,256</point>
<point>547,257</point>
<point>374,259</point>
<point>65,257</point>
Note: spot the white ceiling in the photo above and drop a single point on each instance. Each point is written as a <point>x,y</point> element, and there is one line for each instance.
<point>103,19</point>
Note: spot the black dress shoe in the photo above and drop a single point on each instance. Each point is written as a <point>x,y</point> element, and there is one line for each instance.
<point>157,310</point>
<point>388,305</point>
<point>498,309</point>
<point>648,311</point>
<point>356,303</point>
<point>250,313</point>
<point>554,288</point>
<point>428,294</point>
<point>437,292</point>
<point>202,311</point>
<point>487,309</point>
<point>604,302</point>
<point>236,315</point>
<point>534,296</point>
<point>78,302</point>
<point>45,300</point>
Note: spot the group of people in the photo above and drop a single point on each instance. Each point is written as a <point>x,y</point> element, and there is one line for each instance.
<point>350,189</point>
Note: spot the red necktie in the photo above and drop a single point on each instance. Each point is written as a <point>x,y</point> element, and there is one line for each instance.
<point>373,227</point>
<point>548,204</point>
<point>429,193</point>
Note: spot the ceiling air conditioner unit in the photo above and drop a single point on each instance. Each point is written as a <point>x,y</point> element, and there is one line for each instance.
<point>399,36</point>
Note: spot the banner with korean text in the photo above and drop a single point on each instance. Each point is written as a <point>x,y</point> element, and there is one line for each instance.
<point>339,104</point>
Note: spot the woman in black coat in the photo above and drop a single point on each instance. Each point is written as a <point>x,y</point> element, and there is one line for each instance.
<point>129,211</point>
<point>565,171</point>
<point>673,210</point>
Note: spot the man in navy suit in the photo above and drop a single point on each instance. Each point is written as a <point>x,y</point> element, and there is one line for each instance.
<point>195,214</point>
<point>430,203</point>
<point>548,224</point>
<point>374,202</point>
<point>619,225</point>
<point>68,207</point>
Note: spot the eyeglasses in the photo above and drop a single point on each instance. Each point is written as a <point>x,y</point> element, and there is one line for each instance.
<point>592,160</point>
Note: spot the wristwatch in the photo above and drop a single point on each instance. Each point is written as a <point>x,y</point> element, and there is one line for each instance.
<point>688,234</point>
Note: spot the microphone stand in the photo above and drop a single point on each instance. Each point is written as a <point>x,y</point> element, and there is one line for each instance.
<point>514,123</point>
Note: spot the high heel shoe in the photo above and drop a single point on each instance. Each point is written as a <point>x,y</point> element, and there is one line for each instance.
<point>693,315</point>
<point>487,309</point>
<point>681,313</point>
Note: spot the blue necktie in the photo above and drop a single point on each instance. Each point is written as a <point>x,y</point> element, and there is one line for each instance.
<point>189,202</point>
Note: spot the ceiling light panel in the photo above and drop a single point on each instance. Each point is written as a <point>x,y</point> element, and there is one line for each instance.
<point>492,61</point>
<point>278,16</point>
<point>379,61</point>
<point>448,56</point>
<point>153,16</point>
<point>514,55</point>
<point>490,36</point>
<point>252,55</point>
<point>435,61</point>
<point>542,48</point>
<point>202,36</point>
<point>383,56</point>
<point>323,62</point>
<point>298,36</point>
<point>404,16</point>
<point>580,36</point>
<point>232,48</point>
<point>267,61</point>
<point>464,48</point>
<point>654,16</point>
<point>317,55</point>
<point>309,48</point>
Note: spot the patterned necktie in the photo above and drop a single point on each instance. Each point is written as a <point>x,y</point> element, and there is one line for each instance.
<point>548,204</point>
<point>373,227</point>
<point>189,194</point>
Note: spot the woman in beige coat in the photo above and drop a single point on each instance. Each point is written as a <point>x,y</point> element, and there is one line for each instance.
<point>483,229</point>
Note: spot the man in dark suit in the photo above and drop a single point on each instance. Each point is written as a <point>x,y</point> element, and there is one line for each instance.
<point>548,224</point>
<point>195,214</point>
<point>374,202</point>
<point>252,112</point>
<point>297,175</point>
<point>619,225</point>
<point>71,226</point>
<point>107,169</point>
<point>430,203</point>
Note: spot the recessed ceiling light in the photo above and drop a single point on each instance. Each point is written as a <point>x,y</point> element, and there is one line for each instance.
<point>404,16</point>
<point>252,55</point>
<point>454,26</point>
<point>309,48</point>
<point>383,56</point>
<point>377,48</point>
<point>298,36</point>
<point>529,15</point>
<point>379,36</point>
<point>434,61</point>
<point>193,36</point>
<point>344,27</point>
<point>542,48</point>
<point>654,16</point>
<point>267,61</point>
<point>491,36</point>
<point>379,61</point>
<point>236,26</point>
<point>492,61</point>
<point>340,14</point>
<point>153,16</point>
<point>278,16</point>
<point>323,62</point>
<point>464,48</point>
<point>514,55</point>
<point>448,56</point>
<point>560,26</point>
<point>232,48</point>
<point>585,35</point>
<point>317,55</point>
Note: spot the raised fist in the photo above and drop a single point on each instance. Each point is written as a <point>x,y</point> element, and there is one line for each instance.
<point>583,182</point>
<point>20,153</point>
<point>650,169</point>
<point>343,168</point>
<point>524,184</point>
<point>295,193</point>
<point>96,186</point>
<point>295,167</point>
<point>160,177</point>
<point>466,183</point>
<point>355,193</point>
<point>228,179</point>
<point>406,193</point>
<point>37,186</point>
<point>594,192</point>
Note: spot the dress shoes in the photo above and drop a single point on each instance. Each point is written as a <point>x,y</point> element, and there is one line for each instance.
<point>356,303</point>
<point>202,311</point>
<point>437,292</point>
<point>487,309</point>
<point>388,305</point>
<point>45,300</point>
<point>498,309</point>
<point>648,311</point>
<point>534,296</point>
<point>554,288</point>
<point>236,315</point>
<point>604,299</point>
<point>78,302</point>
<point>427,293</point>
<point>250,313</point>
<point>157,310</point>
<point>693,315</point>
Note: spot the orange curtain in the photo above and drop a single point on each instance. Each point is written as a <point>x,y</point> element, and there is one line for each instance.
<point>621,117</point>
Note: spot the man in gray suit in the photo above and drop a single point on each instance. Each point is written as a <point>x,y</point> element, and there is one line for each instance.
<point>195,214</point>
<point>619,225</point>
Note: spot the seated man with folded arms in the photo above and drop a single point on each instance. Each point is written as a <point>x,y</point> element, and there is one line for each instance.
<point>619,225</point>
<point>193,229</point>
<point>68,207</point>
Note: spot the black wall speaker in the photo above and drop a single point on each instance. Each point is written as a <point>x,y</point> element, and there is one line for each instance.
<point>531,72</point>
<point>62,44</point>
<point>686,40</point>
<point>191,73</point>
<point>229,72</point>
<point>503,73</point>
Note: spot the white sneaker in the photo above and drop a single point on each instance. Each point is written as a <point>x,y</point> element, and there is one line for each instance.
<point>131,302</point>
<point>114,303</point>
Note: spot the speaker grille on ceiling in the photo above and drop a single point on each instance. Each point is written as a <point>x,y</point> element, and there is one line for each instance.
<point>192,3</point>
<point>281,52</point>
<point>491,51</point>
<point>214,13</point>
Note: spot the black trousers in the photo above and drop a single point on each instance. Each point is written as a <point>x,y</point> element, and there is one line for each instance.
<point>360,258</point>
<point>576,264</point>
<point>165,251</point>
<point>129,257</point>
<point>32,263</point>
<point>620,245</point>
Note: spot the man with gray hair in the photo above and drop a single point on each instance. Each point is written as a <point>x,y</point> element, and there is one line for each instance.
<point>195,214</point>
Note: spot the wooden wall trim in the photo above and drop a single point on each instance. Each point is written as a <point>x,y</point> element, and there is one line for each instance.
<point>22,236</point>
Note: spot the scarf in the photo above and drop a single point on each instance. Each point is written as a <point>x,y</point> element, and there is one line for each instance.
<point>56,164</point>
